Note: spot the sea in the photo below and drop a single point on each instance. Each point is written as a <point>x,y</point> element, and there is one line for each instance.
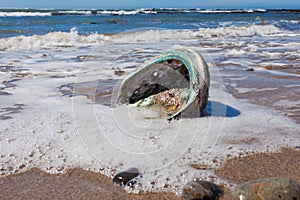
<point>28,22</point>
<point>60,71</point>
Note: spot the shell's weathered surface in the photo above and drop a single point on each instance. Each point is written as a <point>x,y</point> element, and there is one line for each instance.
<point>176,82</point>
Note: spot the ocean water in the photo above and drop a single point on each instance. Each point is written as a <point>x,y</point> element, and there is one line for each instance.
<point>61,69</point>
<point>30,22</point>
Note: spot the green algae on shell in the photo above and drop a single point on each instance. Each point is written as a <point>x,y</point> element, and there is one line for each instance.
<point>173,83</point>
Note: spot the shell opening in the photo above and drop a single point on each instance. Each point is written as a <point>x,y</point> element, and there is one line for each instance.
<point>167,91</point>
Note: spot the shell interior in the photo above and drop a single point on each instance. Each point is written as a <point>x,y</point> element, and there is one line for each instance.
<point>161,86</point>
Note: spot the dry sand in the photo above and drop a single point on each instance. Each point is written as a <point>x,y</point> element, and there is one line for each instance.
<point>81,184</point>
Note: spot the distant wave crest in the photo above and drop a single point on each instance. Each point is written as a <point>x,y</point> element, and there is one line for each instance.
<point>24,14</point>
<point>40,13</point>
<point>37,12</point>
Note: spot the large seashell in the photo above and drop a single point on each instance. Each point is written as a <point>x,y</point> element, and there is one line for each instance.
<point>173,83</point>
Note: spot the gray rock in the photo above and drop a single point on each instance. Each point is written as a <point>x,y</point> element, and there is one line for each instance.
<point>201,190</point>
<point>270,188</point>
<point>126,177</point>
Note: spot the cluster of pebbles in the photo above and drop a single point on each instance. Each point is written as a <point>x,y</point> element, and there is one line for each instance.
<point>262,189</point>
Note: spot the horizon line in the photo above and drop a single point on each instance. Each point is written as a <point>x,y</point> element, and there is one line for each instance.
<point>127,8</point>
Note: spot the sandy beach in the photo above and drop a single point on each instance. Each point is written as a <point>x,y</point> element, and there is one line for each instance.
<point>63,135</point>
<point>82,184</point>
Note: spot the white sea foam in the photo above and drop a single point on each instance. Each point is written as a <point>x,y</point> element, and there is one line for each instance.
<point>245,90</point>
<point>230,11</point>
<point>126,12</point>
<point>73,39</point>
<point>53,134</point>
<point>24,14</point>
<point>261,10</point>
<point>72,12</point>
<point>76,12</point>
<point>234,31</point>
<point>236,52</point>
<point>277,72</point>
<point>214,11</point>
<point>287,103</point>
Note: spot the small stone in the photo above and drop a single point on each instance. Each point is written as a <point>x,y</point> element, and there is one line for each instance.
<point>269,67</point>
<point>269,188</point>
<point>201,190</point>
<point>200,166</point>
<point>126,177</point>
<point>4,93</point>
<point>5,117</point>
<point>119,72</point>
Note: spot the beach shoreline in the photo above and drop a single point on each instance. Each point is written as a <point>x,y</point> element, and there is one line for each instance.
<point>79,183</point>
<point>62,135</point>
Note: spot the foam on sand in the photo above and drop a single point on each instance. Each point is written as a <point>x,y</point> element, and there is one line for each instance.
<point>55,131</point>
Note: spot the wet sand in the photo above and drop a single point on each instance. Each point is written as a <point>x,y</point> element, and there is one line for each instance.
<point>75,184</point>
<point>284,164</point>
<point>277,92</point>
<point>82,184</point>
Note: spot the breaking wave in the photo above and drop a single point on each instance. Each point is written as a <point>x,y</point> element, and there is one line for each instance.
<point>73,39</point>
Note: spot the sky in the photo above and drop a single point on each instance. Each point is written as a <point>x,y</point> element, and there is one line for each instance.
<point>105,4</point>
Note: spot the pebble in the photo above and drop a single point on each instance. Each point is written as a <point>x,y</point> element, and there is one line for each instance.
<point>269,188</point>
<point>200,166</point>
<point>4,93</point>
<point>126,177</point>
<point>201,190</point>
<point>119,72</point>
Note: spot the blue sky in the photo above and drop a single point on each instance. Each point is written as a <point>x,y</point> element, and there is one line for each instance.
<point>101,4</point>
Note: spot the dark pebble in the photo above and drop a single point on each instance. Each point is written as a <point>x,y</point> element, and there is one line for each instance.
<point>119,72</point>
<point>201,190</point>
<point>4,93</point>
<point>5,117</point>
<point>126,177</point>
